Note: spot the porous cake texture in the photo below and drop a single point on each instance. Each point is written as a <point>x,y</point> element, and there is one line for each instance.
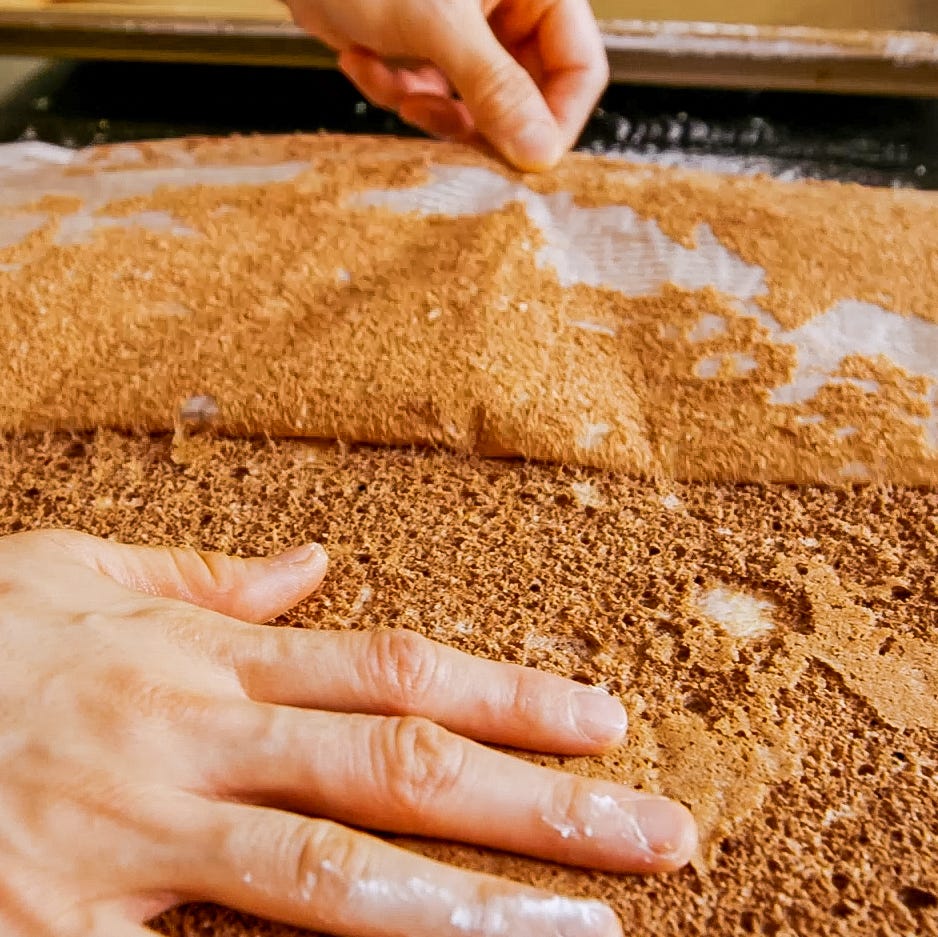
<point>187,325</point>
<point>775,647</point>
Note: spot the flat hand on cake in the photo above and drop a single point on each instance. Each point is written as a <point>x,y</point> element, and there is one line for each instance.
<point>527,72</point>
<point>156,749</point>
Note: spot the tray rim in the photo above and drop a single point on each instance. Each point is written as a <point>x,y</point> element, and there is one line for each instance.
<point>668,52</point>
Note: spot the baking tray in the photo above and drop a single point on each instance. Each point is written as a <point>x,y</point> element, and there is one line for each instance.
<point>878,48</point>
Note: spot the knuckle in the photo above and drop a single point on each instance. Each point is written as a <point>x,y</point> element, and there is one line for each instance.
<point>185,625</point>
<point>419,762</point>
<point>404,669</point>
<point>298,857</point>
<point>501,88</point>
<point>122,679</point>
<point>120,683</point>
<point>527,700</point>
<point>214,573</point>
<point>320,860</point>
<point>343,857</point>
<point>569,804</point>
<point>256,655</point>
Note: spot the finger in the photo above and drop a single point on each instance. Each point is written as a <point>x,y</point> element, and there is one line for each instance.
<point>501,96</point>
<point>576,69</point>
<point>316,875</point>
<point>308,16</point>
<point>120,928</point>
<point>397,672</point>
<point>412,776</point>
<point>388,87</point>
<point>436,116</point>
<point>560,45</point>
<point>248,589</point>
<point>115,925</point>
<point>528,55</point>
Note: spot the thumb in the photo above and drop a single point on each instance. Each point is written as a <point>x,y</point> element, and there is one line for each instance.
<point>503,99</point>
<point>254,590</point>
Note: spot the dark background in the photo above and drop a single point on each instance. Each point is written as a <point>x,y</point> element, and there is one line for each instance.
<point>876,141</point>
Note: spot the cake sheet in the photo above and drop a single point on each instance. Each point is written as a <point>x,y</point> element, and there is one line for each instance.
<point>653,320</point>
<point>774,645</point>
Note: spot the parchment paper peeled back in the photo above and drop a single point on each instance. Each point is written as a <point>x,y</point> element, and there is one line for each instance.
<point>660,322</point>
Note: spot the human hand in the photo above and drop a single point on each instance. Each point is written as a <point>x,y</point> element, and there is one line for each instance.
<point>157,749</point>
<point>528,72</point>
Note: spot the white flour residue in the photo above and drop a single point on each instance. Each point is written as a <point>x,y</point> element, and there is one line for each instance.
<point>29,155</point>
<point>855,472</point>
<point>28,178</point>
<point>613,247</point>
<point>672,502</point>
<point>587,495</point>
<point>607,246</point>
<point>606,811</point>
<point>781,169</point>
<point>738,613</point>
<point>812,419</point>
<point>855,328</point>
<point>365,595</point>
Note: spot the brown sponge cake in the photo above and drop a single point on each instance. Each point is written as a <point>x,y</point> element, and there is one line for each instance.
<point>669,351</point>
<point>657,322</point>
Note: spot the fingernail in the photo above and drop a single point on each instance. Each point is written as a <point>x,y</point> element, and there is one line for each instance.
<point>599,716</point>
<point>535,146</point>
<point>666,827</point>
<point>299,556</point>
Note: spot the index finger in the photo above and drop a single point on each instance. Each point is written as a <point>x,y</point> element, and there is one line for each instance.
<point>574,66</point>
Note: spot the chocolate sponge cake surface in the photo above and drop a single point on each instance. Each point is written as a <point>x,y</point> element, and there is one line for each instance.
<point>657,322</point>
<point>774,646</point>
<point>607,422</point>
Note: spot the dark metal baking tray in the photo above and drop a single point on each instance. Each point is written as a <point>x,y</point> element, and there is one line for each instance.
<point>764,56</point>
